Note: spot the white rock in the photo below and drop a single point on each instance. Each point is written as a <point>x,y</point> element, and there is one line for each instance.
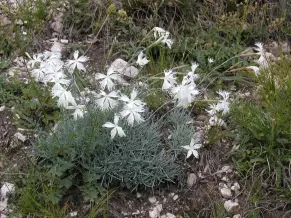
<point>225,179</point>
<point>156,211</point>
<point>172,194</point>
<point>6,189</point>
<point>124,68</point>
<point>168,215</point>
<point>20,136</point>
<point>192,179</point>
<point>73,214</point>
<point>285,47</point>
<point>237,216</point>
<point>136,212</point>
<point>226,169</point>
<point>225,192</point>
<point>159,207</point>
<point>138,195</point>
<point>175,197</point>
<point>57,26</point>
<point>5,21</point>
<point>152,200</point>
<point>64,41</point>
<point>231,206</point>
<point>2,108</point>
<point>235,188</point>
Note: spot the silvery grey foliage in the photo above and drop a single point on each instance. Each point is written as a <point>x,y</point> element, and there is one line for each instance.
<point>181,130</point>
<point>136,160</point>
<point>83,146</point>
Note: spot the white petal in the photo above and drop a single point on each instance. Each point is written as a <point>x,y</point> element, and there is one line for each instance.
<point>113,133</point>
<point>120,131</point>
<point>116,119</point>
<point>197,146</point>
<point>186,147</point>
<point>130,119</point>
<point>189,153</point>
<point>192,142</point>
<point>83,59</point>
<point>195,153</point>
<point>81,67</point>
<point>108,125</point>
<point>76,54</point>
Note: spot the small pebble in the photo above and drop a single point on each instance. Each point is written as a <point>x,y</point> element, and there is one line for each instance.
<point>152,200</point>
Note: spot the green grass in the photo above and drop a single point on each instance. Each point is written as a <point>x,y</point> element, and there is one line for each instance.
<point>36,197</point>
<point>33,105</point>
<point>264,126</point>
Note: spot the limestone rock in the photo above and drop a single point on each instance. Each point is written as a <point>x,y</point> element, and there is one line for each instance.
<point>168,215</point>
<point>152,200</point>
<point>192,179</point>
<point>156,211</point>
<point>231,206</point>
<point>123,67</point>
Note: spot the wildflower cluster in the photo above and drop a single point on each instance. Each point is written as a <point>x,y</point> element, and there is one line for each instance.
<point>48,69</point>
<point>219,109</point>
<point>185,92</point>
<point>263,60</point>
<point>162,35</point>
<point>132,108</point>
<point>108,99</point>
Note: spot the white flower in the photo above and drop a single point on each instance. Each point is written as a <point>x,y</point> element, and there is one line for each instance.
<point>159,32</point>
<point>224,95</point>
<point>142,59</point>
<point>223,105</point>
<point>106,101</point>
<point>65,97</point>
<point>109,79</point>
<point>255,69</point>
<point>38,74</point>
<point>185,93</point>
<point>132,100</point>
<point>163,36</point>
<point>132,108</point>
<point>168,42</point>
<point>77,63</point>
<point>58,79</point>
<point>262,62</point>
<point>190,77</point>
<point>52,55</point>
<point>194,66</point>
<point>192,148</point>
<point>169,79</point>
<point>33,60</point>
<point>79,111</point>
<point>210,60</point>
<point>260,48</point>
<point>115,128</point>
<point>215,121</point>
<point>132,114</point>
<point>213,109</point>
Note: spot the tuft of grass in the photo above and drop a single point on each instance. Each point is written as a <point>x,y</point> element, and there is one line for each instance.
<point>32,103</point>
<point>36,197</point>
<point>28,22</point>
<point>264,127</point>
